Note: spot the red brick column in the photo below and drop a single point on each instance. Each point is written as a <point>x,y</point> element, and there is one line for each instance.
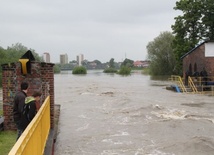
<point>41,78</point>
<point>47,74</point>
<point>9,87</point>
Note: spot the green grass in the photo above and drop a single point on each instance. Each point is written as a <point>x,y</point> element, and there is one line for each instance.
<point>1,112</point>
<point>7,140</point>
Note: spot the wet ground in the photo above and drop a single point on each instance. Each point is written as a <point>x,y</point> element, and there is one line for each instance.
<point>104,114</point>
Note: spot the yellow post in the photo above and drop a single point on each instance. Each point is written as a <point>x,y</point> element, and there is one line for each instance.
<point>24,65</point>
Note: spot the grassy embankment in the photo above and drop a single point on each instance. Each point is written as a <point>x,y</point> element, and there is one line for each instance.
<point>7,140</point>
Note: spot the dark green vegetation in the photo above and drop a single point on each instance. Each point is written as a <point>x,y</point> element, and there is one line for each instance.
<point>194,26</point>
<point>7,140</point>
<point>111,68</point>
<point>0,78</point>
<point>124,70</point>
<point>161,55</point>
<point>13,54</point>
<point>79,70</point>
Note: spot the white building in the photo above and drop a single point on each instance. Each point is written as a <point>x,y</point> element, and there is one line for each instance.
<point>46,57</point>
<point>80,58</point>
<point>63,59</point>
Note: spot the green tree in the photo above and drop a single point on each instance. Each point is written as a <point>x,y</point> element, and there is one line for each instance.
<point>127,63</point>
<point>2,56</point>
<point>111,68</point>
<point>15,52</point>
<point>97,62</point>
<point>208,19</point>
<point>192,27</point>
<point>111,63</point>
<point>160,54</point>
<point>124,70</point>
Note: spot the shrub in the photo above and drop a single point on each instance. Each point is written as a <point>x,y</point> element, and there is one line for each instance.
<point>56,69</point>
<point>110,70</point>
<point>0,80</point>
<point>79,70</point>
<point>124,70</point>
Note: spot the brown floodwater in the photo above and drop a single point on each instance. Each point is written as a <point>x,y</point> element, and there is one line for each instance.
<point>109,114</point>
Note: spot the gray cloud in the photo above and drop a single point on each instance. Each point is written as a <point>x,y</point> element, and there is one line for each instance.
<point>99,29</point>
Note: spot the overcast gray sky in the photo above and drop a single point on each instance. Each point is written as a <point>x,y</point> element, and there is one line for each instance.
<point>98,29</point>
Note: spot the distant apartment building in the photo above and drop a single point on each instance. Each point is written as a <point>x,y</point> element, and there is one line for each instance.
<point>46,57</point>
<point>80,58</point>
<point>63,59</point>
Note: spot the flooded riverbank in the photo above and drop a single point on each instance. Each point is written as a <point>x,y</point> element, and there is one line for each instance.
<point>104,114</point>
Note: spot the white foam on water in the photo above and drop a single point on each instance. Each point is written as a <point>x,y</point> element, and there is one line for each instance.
<point>171,114</point>
<point>158,152</point>
<point>83,116</point>
<point>121,133</point>
<point>87,93</point>
<point>107,140</point>
<point>83,127</point>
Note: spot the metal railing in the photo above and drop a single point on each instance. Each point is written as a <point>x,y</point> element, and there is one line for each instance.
<point>205,85</point>
<point>33,139</point>
<point>199,85</point>
<point>192,85</point>
<point>179,81</point>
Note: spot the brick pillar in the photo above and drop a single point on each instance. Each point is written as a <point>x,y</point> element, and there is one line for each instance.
<point>41,78</point>
<point>47,74</point>
<point>9,87</point>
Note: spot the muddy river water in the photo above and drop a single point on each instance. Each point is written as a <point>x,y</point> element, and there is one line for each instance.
<point>108,114</point>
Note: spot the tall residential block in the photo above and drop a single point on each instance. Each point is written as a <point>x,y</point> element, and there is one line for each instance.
<point>46,57</point>
<point>63,59</point>
<point>80,58</point>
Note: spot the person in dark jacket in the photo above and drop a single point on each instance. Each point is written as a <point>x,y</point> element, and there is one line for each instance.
<point>19,101</point>
<point>30,109</point>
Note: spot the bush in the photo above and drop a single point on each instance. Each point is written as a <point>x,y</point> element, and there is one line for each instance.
<point>124,70</point>
<point>0,80</point>
<point>79,70</point>
<point>110,70</point>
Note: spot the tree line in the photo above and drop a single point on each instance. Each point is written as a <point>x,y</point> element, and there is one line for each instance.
<point>194,26</point>
<point>12,54</point>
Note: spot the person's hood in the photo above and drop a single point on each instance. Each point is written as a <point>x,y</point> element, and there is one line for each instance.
<point>29,99</point>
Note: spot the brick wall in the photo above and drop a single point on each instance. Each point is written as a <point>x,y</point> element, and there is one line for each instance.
<point>41,78</point>
<point>197,57</point>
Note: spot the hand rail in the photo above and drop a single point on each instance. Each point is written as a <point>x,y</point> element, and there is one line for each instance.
<point>192,85</point>
<point>179,81</point>
<point>33,139</point>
